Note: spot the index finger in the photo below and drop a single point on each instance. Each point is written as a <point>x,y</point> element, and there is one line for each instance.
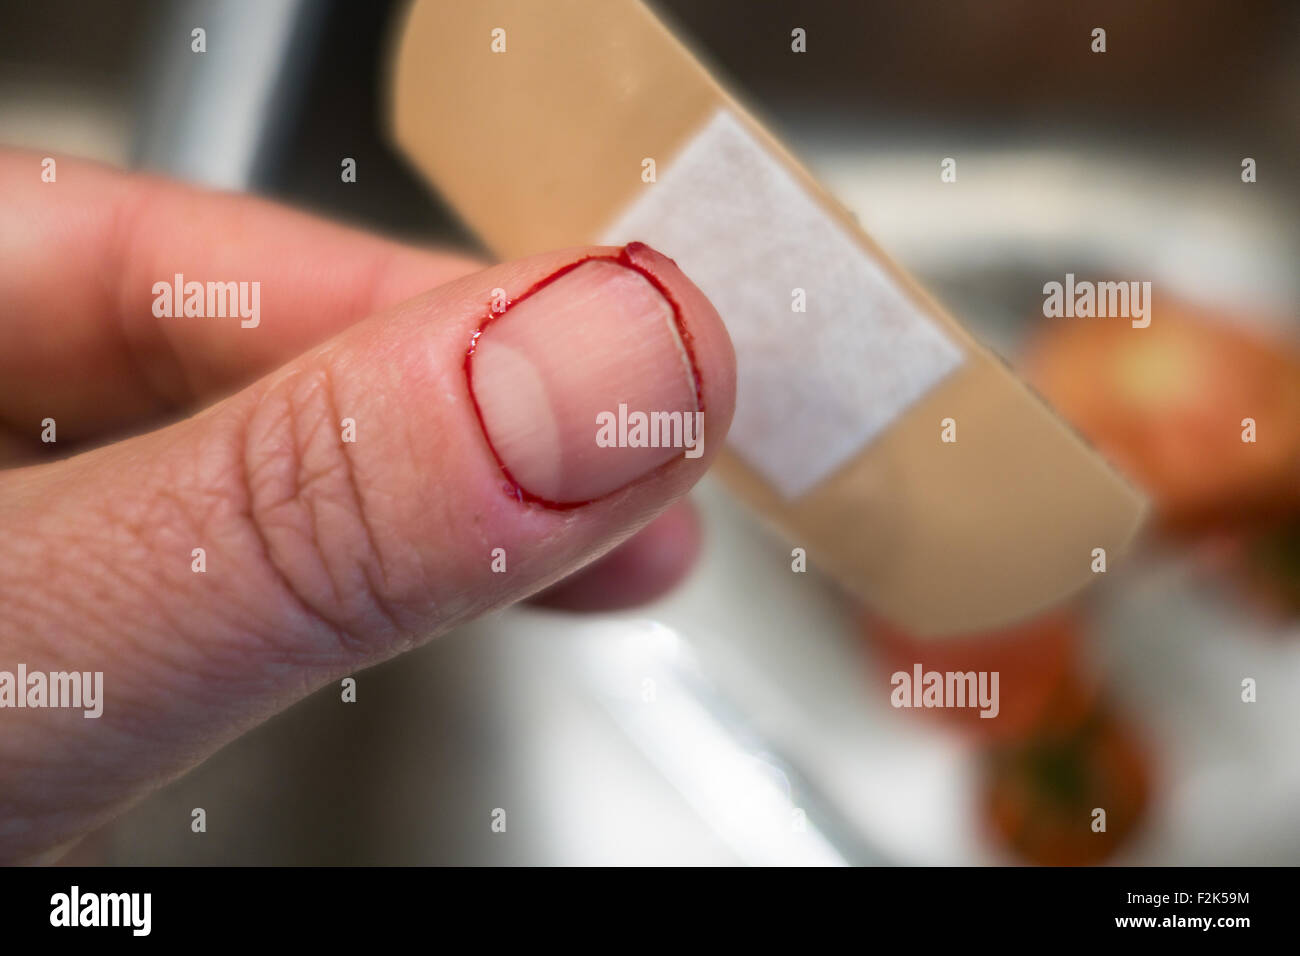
<point>79,261</point>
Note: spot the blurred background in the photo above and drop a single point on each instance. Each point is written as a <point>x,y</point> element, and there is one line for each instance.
<point>745,718</point>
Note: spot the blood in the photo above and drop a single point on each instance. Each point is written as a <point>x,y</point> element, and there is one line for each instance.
<point>627,257</point>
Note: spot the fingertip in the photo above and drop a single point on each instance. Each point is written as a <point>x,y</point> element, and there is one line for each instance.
<point>599,374</point>
<point>644,568</point>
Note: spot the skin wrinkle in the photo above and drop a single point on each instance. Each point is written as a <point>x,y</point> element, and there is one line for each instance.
<point>303,481</point>
<point>362,512</point>
<point>129,213</point>
<point>418,579</point>
<point>231,521</point>
<point>313,492</point>
<point>352,640</point>
<point>246,510</point>
<point>170,525</point>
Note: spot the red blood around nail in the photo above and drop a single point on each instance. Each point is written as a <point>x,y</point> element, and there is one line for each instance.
<point>636,256</point>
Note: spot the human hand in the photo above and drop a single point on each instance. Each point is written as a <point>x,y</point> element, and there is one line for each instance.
<point>323,551</point>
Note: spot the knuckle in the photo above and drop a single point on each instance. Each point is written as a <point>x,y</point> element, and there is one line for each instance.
<point>309,509</point>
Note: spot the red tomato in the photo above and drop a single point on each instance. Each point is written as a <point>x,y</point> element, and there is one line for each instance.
<point>1041,795</point>
<point>1166,404</point>
<point>1040,681</point>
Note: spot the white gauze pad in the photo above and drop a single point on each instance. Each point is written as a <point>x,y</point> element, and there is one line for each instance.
<point>813,386</point>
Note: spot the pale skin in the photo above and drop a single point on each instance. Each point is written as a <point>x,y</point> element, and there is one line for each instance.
<point>179,433</point>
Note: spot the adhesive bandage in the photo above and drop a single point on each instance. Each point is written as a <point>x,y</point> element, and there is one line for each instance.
<point>870,428</point>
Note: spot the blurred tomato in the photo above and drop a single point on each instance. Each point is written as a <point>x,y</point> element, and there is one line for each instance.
<point>1166,405</point>
<point>1041,795</point>
<point>1040,678</point>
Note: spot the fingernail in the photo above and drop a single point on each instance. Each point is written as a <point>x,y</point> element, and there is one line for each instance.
<point>550,373</point>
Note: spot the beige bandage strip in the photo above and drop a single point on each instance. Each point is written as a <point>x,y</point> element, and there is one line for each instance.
<point>837,436</point>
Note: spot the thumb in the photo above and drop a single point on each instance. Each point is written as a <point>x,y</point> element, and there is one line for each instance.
<point>450,456</point>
